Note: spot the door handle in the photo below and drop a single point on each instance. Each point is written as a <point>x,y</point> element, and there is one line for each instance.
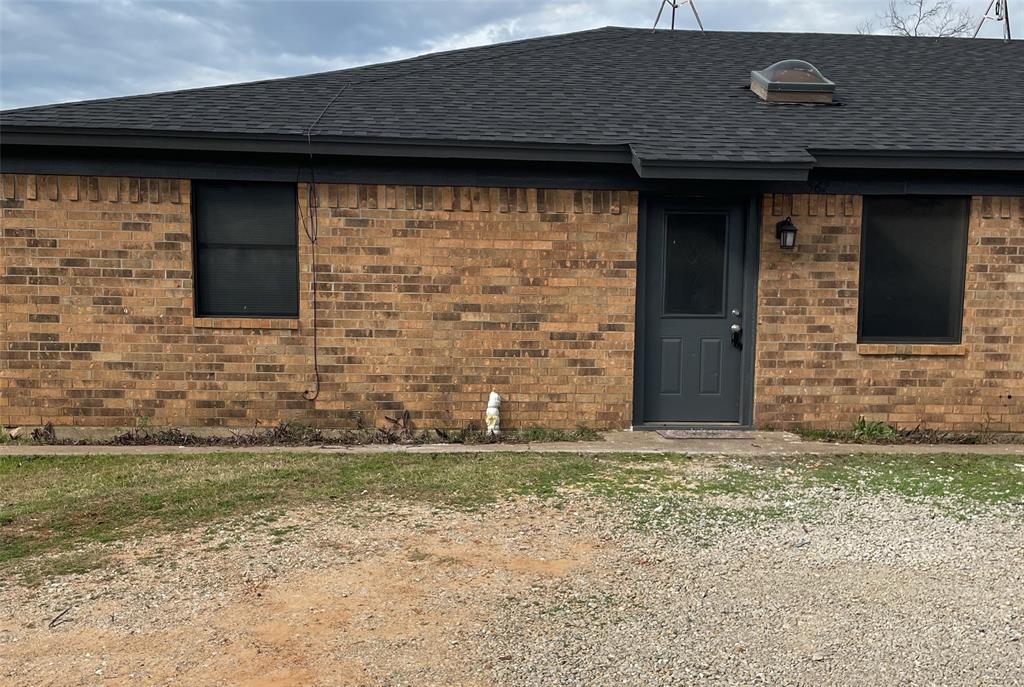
<point>737,333</point>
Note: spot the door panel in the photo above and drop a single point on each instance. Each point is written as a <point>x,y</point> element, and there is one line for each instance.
<point>710,366</point>
<point>694,292</point>
<point>671,370</point>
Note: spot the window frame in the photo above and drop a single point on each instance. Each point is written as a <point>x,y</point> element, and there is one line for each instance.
<point>197,312</point>
<point>959,276</point>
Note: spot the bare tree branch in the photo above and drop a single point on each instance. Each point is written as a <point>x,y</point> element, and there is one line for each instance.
<point>941,18</point>
<point>866,27</point>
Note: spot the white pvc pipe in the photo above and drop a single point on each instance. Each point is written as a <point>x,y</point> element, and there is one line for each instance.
<point>493,415</point>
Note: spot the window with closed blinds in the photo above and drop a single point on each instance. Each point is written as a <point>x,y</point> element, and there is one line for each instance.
<point>246,249</point>
<point>913,254</point>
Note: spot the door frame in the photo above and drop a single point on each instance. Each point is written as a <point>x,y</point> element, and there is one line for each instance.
<point>750,206</point>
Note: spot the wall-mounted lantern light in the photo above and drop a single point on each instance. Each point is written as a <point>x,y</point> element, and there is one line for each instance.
<point>785,232</point>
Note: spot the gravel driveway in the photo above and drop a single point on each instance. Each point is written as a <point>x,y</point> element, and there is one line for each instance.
<point>878,592</point>
<point>794,586</point>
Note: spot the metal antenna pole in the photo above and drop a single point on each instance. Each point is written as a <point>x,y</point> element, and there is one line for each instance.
<point>660,10</point>
<point>1001,14</point>
<point>693,6</point>
<point>674,4</point>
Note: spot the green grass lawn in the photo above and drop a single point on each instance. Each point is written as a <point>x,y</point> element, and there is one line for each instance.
<point>54,504</point>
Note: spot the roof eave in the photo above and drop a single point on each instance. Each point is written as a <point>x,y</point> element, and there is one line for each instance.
<point>728,170</point>
<point>318,144</point>
<point>732,170</point>
<point>919,160</point>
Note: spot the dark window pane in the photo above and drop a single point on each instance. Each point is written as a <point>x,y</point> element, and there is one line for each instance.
<point>244,212</point>
<point>912,268</point>
<point>246,249</point>
<point>695,264</point>
<point>247,281</point>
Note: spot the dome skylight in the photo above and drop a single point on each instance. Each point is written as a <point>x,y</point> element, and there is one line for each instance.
<point>792,81</point>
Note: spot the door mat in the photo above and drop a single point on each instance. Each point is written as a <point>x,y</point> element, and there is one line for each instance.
<point>707,434</point>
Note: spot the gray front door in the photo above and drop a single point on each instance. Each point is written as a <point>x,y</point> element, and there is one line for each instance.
<point>694,295</point>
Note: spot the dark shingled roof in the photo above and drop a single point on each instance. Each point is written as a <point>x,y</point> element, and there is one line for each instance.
<point>670,98</point>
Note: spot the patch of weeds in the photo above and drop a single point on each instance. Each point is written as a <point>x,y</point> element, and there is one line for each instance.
<point>471,434</point>
<point>863,432</point>
<point>45,434</point>
<point>869,432</point>
<point>527,435</point>
<point>750,481</point>
<point>536,435</point>
<point>629,480</point>
<point>278,534</point>
<point>71,563</point>
<point>702,520</point>
<point>968,482</point>
<point>400,431</point>
<point>872,430</point>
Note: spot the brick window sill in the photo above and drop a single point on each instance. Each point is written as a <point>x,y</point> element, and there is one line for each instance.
<point>949,350</point>
<point>244,323</point>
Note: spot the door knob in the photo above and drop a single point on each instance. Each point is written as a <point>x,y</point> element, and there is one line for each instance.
<point>736,340</point>
<point>735,329</point>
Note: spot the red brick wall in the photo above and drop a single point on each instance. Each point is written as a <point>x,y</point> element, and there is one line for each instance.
<point>429,298</point>
<point>812,373</point>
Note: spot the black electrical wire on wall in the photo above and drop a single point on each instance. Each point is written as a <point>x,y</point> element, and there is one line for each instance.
<point>312,232</point>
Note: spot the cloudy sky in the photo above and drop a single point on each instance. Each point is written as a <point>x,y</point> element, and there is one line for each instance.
<point>52,51</point>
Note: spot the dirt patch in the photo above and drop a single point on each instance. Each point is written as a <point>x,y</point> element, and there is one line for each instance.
<point>833,587</point>
<point>342,598</point>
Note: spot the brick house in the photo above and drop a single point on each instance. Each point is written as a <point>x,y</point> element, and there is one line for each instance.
<point>599,226</point>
